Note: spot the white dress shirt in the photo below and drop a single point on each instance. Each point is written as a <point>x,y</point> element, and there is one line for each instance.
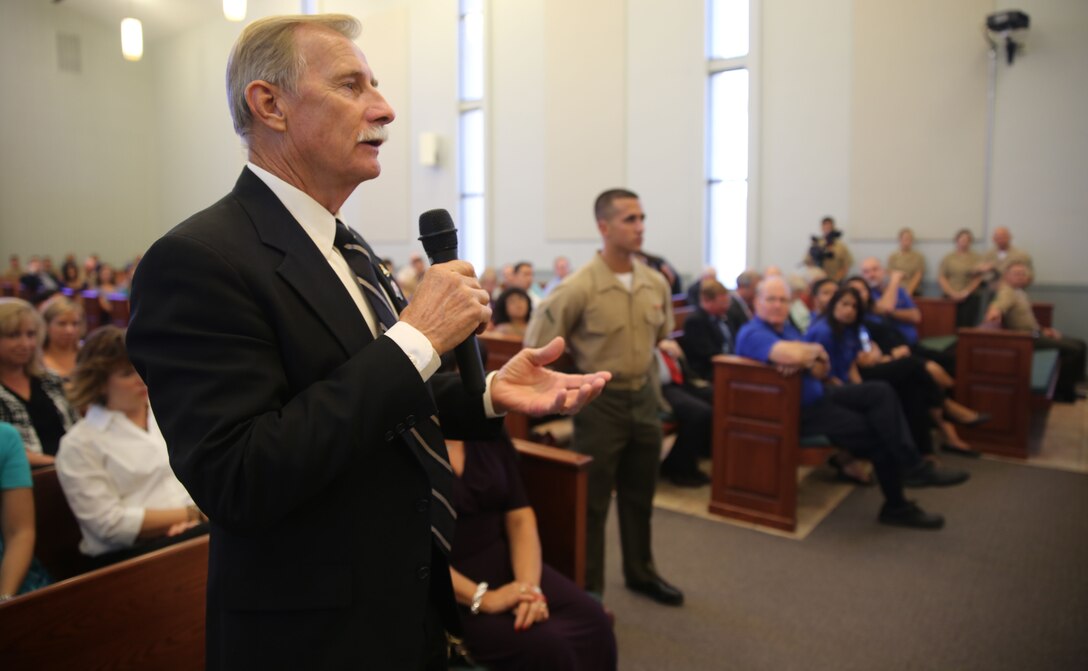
<point>111,471</point>
<point>320,226</point>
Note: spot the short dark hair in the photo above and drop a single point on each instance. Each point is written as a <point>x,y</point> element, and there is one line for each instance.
<point>521,264</point>
<point>818,284</point>
<point>748,278</point>
<point>709,289</point>
<point>602,208</point>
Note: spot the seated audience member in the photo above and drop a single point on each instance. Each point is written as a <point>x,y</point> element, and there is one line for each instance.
<point>512,310</point>
<point>20,572</point>
<point>15,269</point>
<point>856,355</point>
<point>691,401</point>
<point>418,265</point>
<point>37,284</point>
<point>107,284</point>
<point>407,280</point>
<point>864,419</point>
<point>113,464</point>
<point>1011,308</point>
<point>662,266</point>
<point>90,271</point>
<point>709,273</point>
<point>800,308</point>
<point>70,278</point>
<point>560,270</point>
<point>822,291</point>
<point>523,279</point>
<point>489,282</point>
<point>706,332</point>
<point>517,612</point>
<point>960,276</point>
<point>507,277</point>
<point>909,262</point>
<point>890,299</point>
<point>64,326</point>
<point>31,398</point>
<point>741,302</point>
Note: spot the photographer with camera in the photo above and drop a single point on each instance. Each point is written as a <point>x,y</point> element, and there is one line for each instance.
<point>829,252</point>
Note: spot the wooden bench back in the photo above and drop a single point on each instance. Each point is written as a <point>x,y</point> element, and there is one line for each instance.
<point>993,374</point>
<point>143,613</point>
<point>57,532</point>
<point>938,316</point>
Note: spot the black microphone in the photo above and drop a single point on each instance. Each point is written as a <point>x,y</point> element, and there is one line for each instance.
<point>439,238</point>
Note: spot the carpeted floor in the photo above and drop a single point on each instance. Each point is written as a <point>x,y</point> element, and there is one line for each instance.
<point>1003,586</point>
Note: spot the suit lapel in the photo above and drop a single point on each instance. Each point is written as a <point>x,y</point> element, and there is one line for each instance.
<point>303,267</point>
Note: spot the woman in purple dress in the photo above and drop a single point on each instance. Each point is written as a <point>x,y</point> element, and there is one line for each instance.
<point>517,612</point>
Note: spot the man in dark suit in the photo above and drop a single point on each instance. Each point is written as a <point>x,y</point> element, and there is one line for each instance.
<point>706,332</point>
<point>742,303</point>
<point>296,389</point>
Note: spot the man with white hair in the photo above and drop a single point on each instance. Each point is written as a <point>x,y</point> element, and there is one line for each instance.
<point>864,419</point>
<point>297,390</point>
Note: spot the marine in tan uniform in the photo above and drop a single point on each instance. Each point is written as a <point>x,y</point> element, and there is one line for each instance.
<point>908,261</point>
<point>613,312</point>
<point>1011,308</point>
<point>1004,254</point>
<point>960,275</point>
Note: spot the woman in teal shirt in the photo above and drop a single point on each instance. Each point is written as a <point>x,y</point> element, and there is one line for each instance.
<point>19,571</point>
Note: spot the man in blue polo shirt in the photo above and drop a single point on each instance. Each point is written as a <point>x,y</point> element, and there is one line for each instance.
<point>890,299</point>
<point>864,419</point>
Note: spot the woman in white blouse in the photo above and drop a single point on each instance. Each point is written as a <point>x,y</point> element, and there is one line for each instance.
<point>113,464</point>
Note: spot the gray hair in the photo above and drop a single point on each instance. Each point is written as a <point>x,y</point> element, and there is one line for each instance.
<point>266,51</point>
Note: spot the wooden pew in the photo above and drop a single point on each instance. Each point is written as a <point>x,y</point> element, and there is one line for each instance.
<point>938,316</point>
<point>148,612</point>
<point>756,443</point>
<point>57,532</point>
<point>555,480</point>
<point>119,310</point>
<point>143,613</point>
<point>92,310</point>
<point>680,314</point>
<point>999,372</point>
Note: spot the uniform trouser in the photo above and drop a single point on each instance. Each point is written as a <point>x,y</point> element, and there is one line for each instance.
<point>1070,361</point>
<point>621,430</point>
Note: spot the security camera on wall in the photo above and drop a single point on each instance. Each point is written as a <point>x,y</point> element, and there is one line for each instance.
<point>1006,24</point>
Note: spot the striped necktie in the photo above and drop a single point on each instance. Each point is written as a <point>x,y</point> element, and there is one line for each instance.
<point>378,292</point>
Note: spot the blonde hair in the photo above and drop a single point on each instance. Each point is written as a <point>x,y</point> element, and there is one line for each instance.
<point>103,354</point>
<point>13,313</point>
<point>55,307</point>
<point>266,51</point>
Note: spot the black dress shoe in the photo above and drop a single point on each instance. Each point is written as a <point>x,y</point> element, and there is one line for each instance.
<point>658,590</point>
<point>909,515</point>
<point>696,479</point>
<point>926,474</point>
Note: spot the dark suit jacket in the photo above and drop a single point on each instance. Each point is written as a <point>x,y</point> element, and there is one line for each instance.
<point>702,340</point>
<point>284,417</point>
<point>736,316</point>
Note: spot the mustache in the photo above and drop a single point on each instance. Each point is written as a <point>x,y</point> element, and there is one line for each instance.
<point>377,134</point>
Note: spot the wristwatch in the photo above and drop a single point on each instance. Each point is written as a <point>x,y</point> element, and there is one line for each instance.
<point>478,598</point>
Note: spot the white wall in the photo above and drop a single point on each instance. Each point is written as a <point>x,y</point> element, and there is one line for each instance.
<point>580,97</point>
<point>78,151</point>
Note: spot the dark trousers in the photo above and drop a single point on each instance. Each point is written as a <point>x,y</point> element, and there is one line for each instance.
<point>917,393</point>
<point>622,432</point>
<point>866,420</point>
<point>1070,362</point>
<point>693,408</point>
<point>968,311</point>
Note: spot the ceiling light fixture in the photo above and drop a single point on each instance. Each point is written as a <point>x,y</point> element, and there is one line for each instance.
<point>132,39</point>
<point>234,10</point>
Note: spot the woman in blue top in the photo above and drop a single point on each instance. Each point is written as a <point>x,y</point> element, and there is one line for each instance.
<point>856,356</point>
<point>19,571</point>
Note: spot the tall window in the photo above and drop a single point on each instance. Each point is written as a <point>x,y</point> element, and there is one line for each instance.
<point>727,136</point>
<point>472,150</point>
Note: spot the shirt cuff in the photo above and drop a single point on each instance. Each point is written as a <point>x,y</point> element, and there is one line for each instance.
<point>489,408</point>
<point>127,529</point>
<point>416,346</point>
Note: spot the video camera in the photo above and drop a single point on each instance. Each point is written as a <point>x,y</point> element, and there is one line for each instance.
<point>818,250</point>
